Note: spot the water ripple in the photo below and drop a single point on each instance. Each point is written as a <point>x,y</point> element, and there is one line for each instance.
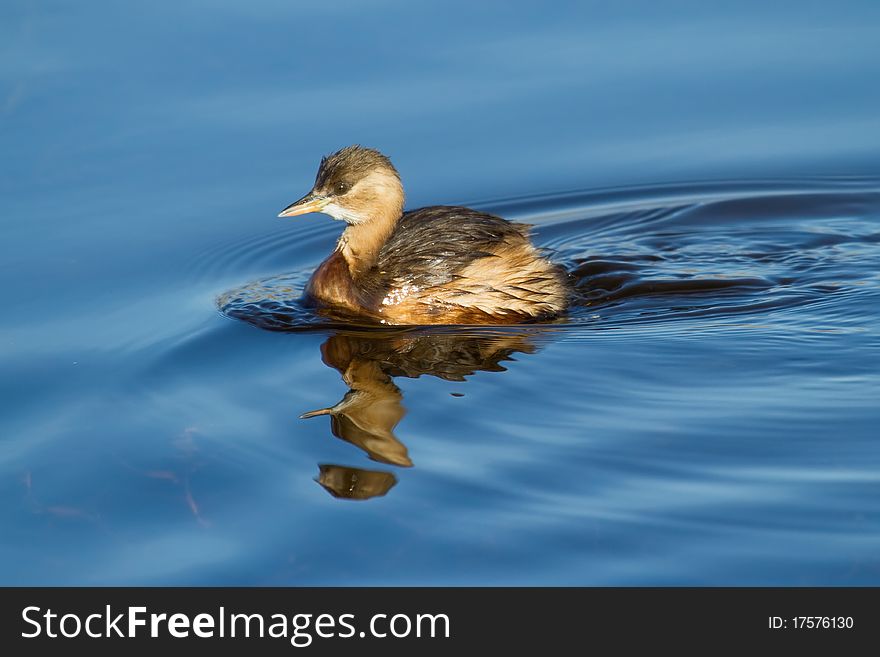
<point>714,252</point>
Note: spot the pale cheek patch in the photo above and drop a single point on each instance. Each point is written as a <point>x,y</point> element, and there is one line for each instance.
<point>343,214</point>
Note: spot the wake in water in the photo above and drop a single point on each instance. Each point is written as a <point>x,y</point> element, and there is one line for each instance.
<point>732,252</point>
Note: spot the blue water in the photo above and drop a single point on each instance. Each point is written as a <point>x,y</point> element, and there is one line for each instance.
<point>707,413</point>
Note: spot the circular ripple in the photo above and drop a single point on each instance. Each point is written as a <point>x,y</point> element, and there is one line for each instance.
<point>648,255</point>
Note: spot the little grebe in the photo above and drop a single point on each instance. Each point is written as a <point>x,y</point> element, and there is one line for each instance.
<point>434,265</point>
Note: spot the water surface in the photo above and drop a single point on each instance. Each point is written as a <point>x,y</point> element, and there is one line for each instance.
<point>706,414</point>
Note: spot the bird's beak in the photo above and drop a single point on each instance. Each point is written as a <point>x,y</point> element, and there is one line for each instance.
<point>311,202</point>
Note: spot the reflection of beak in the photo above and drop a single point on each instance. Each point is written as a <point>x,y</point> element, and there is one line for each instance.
<point>320,411</point>
<point>311,202</point>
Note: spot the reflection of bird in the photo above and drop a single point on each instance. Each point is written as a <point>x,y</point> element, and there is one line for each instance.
<point>355,483</point>
<point>435,265</point>
<point>371,409</point>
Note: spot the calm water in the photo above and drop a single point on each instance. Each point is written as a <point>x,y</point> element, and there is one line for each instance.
<point>707,414</point>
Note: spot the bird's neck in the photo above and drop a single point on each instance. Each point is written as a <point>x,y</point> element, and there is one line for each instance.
<point>360,243</point>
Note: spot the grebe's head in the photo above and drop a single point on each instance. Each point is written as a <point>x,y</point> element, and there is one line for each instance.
<point>355,185</point>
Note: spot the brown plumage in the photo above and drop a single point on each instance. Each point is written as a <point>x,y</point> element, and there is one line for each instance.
<point>435,265</point>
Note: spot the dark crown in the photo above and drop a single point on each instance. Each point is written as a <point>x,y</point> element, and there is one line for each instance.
<point>350,165</point>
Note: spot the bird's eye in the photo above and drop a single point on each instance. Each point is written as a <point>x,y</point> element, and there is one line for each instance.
<point>341,187</point>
